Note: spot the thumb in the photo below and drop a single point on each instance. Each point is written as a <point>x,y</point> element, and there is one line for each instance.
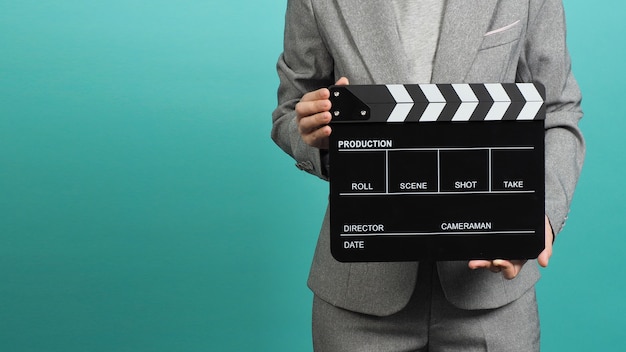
<point>545,255</point>
<point>343,81</point>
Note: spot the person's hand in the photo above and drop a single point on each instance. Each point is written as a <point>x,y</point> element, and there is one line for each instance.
<point>544,256</point>
<point>510,268</point>
<point>313,116</point>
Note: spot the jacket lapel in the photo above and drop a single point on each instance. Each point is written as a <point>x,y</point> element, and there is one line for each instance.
<point>378,42</point>
<point>464,24</point>
<point>376,36</point>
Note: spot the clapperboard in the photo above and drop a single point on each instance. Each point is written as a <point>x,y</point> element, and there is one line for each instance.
<point>437,172</point>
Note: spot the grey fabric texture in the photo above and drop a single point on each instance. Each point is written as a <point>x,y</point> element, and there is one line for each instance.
<point>429,323</point>
<point>479,42</point>
<point>418,24</point>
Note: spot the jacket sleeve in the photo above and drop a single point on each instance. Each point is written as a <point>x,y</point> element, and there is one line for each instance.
<point>545,59</point>
<point>305,65</point>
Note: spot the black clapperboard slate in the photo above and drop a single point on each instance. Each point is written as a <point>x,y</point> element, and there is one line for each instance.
<point>437,172</point>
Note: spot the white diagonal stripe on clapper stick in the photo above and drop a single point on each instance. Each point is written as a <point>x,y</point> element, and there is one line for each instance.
<point>404,103</point>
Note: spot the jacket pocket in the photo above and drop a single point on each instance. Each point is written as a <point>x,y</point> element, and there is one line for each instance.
<point>495,61</point>
<point>501,35</point>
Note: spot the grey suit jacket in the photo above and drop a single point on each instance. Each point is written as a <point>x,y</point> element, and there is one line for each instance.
<point>481,41</point>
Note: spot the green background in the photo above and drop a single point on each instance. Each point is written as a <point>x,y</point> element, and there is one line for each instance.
<point>143,206</point>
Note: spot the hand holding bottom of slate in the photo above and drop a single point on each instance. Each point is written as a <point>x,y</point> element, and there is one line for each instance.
<point>313,116</point>
<point>510,268</point>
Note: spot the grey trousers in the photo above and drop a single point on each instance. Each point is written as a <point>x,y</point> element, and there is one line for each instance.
<point>428,323</point>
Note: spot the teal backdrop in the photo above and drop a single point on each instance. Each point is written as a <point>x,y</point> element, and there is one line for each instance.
<point>143,206</point>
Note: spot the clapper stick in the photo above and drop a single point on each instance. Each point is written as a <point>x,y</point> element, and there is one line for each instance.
<point>437,171</point>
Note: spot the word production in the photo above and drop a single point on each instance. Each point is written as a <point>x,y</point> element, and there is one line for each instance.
<point>437,171</point>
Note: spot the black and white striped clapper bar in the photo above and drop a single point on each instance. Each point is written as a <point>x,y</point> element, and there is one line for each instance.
<point>437,172</point>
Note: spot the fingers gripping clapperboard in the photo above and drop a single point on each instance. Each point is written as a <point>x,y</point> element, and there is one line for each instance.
<point>437,171</point>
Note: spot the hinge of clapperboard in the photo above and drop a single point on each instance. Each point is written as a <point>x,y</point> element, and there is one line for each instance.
<point>437,102</point>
